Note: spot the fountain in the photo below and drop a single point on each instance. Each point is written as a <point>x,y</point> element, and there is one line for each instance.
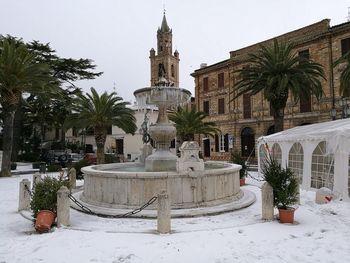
<point>195,187</point>
<point>164,95</point>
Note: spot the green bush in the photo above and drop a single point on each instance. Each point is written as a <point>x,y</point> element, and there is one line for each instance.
<point>28,157</point>
<point>283,182</point>
<point>238,159</point>
<point>78,166</point>
<point>111,158</point>
<point>45,195</point>
<point>54,168</point>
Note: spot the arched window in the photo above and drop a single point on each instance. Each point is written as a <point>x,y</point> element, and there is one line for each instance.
<point>322,167</point>
<point>270,130</point>
<point>296,160</point>
<point>276,152</point>
<point>263,153</point>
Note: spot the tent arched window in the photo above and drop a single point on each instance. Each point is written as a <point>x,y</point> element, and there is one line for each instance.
<point>322,167</point>
<point>296,160</point>
<point>276,152</point>
<point>263,155</point>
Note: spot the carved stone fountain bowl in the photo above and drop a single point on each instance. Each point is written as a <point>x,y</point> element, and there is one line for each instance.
<point>127,185</point>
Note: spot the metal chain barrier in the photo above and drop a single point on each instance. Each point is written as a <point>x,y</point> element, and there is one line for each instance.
<point>133,212</point>
<point>89,211</point>
<point>255,178</point>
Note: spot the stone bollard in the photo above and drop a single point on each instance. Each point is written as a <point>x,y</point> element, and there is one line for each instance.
<point>163,217</point>
<point>24,195</point>
<point>36,178</point>
<point>72,175</point>
<point>267,201</point>
<point>63,208</point>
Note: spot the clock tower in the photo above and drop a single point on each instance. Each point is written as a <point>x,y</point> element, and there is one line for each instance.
<point>164,63</point>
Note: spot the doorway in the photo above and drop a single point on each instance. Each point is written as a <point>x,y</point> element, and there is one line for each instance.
<point>206,147</point>
<point>247,142</point>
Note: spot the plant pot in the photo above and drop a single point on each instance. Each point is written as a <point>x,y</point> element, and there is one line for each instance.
<point>241,181</point>
<point>286,215</point>
<point>44,220</point>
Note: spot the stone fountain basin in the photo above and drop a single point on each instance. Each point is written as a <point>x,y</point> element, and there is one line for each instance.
<point>162,95</point>
<point>126,185</point>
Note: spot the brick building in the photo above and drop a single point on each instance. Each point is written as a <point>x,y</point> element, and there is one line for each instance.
<point>246,118</point>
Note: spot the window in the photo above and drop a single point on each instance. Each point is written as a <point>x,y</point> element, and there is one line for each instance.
<point>206,107</point>
<point>247,107</point>
<point>74,132</point>
<point>345,46</point>
<point>221,143</point>
<point>221,106</point>
<point>305,103</point>
<point>205,84</point>
<point>296,160</point>
<point>221,80</point>
<point>322,167</point>
<point>304,55</point>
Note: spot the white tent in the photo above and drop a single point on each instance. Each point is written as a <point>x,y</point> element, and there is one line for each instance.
<point>318,153</point>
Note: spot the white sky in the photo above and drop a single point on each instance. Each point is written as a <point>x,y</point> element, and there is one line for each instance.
<point>118,34</point>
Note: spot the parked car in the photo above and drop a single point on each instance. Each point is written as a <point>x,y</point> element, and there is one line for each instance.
<point>74,157</point>
<point>91,158</point>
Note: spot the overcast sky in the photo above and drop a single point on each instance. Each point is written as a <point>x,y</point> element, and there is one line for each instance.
<point>118,34</point>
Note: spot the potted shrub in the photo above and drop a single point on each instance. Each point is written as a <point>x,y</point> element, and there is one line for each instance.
<point>44,202</point>
<point>285,188</point>
<point>238,159</point>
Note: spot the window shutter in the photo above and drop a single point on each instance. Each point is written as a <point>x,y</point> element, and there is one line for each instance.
<point>217,143</point>
<point>226,142</point>
<point>205,84</point>
<point>305,104</point>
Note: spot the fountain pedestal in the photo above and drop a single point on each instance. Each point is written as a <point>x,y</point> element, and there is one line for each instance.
<point>162,159</point>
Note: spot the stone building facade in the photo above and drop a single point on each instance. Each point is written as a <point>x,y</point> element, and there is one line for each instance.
<point>245,119</point>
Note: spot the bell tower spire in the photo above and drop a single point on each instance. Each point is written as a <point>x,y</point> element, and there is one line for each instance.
<point>164,62</point>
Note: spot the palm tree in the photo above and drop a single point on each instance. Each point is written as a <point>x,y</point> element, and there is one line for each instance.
<point>100,113</point>
<point>19,72</point>
<point>276,70</point>
<point>191,122</point>
<point>344,89</point>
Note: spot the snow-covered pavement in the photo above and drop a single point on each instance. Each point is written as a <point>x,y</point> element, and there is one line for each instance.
<point>321,234</point>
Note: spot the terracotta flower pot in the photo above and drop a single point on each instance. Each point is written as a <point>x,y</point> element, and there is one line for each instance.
<point>44,220</point>
<point>286,215</point>
<point>241,181</point>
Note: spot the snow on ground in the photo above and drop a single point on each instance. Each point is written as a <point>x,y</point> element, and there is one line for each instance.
<point>321,234</point>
